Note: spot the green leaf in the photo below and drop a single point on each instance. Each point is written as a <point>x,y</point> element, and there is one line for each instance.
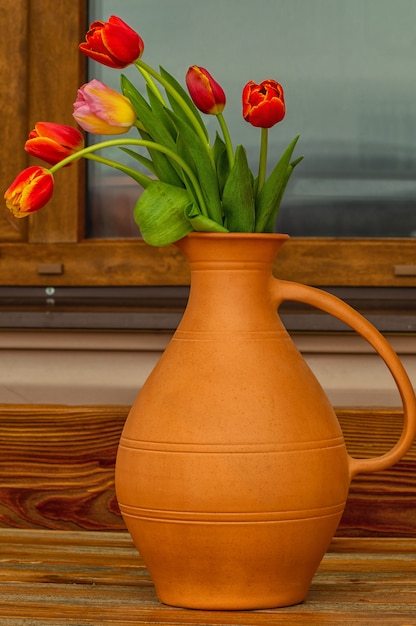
<point>164,169</point>
<point>133,94</point>
<point>238,197</point>
<point>271,194</point>
<point>197,155</point>
<point>202,223</point>
<point>160,214</point>
<point>279,198</point>
<point>153,123</point>
<point>159,110</point>
<point>155,131</point>
<point>219,150</point>
<point>140,158</point>
<point>176,106</point>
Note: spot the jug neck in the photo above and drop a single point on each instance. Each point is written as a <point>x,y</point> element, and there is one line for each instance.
<point>231,275</point>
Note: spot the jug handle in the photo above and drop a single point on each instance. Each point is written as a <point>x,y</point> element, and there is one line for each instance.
<point>286,290</point>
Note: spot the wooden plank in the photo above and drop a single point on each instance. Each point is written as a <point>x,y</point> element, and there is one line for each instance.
<point>383,503</point>
<point>57,466</point>
<point>93,263</point>
<point>359,263</point>
<point>14,89</point>
<point>57,470</point>
<point>90,578</point>
<point>346,262</point>
<point>56,28</point>
<point>39,35</point>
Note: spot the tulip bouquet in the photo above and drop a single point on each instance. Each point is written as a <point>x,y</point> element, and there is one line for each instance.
<point>193,183</point>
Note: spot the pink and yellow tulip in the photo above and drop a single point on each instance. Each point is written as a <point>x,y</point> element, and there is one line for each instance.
<point>101,110</point>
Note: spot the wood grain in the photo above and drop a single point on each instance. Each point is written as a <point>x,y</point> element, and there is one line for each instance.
<point>57,467</point>
<point>14,104</point>
<point>383,503</point>
<point>329,262</point>
<point>65,21</point>
<point>57,470</point>
<point>93,263</point>
<point>93,579</point>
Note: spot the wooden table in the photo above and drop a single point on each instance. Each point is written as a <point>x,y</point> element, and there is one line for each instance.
<point>86,578</point>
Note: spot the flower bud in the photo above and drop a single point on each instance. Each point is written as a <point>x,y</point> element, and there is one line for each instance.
<point>112,43</point>
<point>263,104</point>
<point>53,142</point>
<point>30,191</point>
<point>205,92</point>
<point>100,110</point>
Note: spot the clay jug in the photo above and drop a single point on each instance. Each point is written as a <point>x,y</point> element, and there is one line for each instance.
<point>232,473</point>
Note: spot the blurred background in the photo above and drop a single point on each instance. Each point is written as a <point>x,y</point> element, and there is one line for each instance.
<point>348,70</point>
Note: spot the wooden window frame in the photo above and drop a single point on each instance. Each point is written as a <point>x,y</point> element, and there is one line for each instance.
<point>40,72</point>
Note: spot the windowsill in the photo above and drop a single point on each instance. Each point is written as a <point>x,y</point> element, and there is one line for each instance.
<point>391,310</point>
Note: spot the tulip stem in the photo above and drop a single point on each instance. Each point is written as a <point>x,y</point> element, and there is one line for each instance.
<point>149,80</point>
<point>86,152</point>
<point>262,159</point>
<point>227,139</point>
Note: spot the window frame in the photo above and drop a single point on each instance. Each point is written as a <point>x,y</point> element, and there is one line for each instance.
<point>50,247</point>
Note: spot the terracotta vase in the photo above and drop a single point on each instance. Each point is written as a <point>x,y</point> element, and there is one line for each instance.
<point>232,472</point>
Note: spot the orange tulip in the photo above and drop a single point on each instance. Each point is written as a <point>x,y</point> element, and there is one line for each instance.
<point>263,104</point>
<point>53,142</point>
<point>30,191</point>
<point>112,43</point>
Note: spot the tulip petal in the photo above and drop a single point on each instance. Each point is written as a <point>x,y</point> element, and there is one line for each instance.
<point>267,113</point>
<point>100,57</point>
<point>67,136</point>
<point>122,43</point>
<point>47,150</point>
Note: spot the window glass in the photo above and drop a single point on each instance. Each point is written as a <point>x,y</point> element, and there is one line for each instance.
<point>347,67</point>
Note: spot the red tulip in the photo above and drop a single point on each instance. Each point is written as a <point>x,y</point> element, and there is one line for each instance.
<point>263,104</point>
<point>112,43</point>
<point>205,92</point>
<point>53,142</point>
<point>30,191</point>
